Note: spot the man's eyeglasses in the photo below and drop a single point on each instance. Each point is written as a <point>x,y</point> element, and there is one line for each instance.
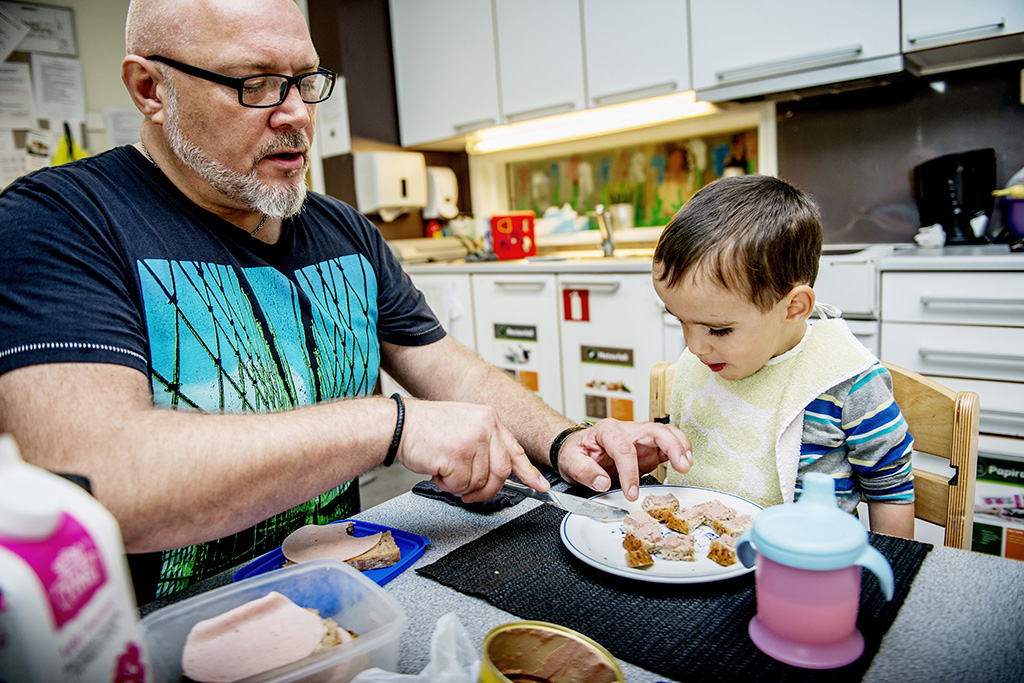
<point>264,90</point>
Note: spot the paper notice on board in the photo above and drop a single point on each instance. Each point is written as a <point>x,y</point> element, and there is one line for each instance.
<point>50,29</point>
<point>59,93</point>
<point>11,33</point>
<point>16,97</point>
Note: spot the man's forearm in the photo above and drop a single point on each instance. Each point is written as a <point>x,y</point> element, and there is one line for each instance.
<point>174,478</point>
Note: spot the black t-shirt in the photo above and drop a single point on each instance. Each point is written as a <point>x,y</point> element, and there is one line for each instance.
<point>105,261</point>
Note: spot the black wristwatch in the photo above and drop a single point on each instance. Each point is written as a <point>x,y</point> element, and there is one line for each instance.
<point>556,445</point>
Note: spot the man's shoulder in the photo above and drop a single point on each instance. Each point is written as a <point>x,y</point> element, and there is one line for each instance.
<point>98,169</point>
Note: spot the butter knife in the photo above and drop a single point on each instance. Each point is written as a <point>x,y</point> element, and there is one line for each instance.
<point>602,512</point>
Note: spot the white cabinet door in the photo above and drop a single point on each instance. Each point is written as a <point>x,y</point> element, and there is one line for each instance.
<point>516,319</point>
<point>631,55</point>
<point>446,75</point>
<point>742,48</point>
<point>612,334</point>
<point>450,297</point>
<point>540,57</point>
<point>937,23</point>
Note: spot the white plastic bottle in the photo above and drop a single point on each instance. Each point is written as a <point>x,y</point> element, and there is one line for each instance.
<point>67,609</point>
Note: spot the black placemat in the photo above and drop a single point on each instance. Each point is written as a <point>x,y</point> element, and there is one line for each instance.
<point>687,631</point>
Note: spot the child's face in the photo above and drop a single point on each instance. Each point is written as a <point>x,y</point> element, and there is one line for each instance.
<point>727,332</point>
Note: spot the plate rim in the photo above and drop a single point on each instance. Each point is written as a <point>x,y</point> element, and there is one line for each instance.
<point>638,574</point>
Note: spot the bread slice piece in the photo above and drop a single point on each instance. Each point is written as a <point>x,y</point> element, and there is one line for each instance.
<point>715,509</point>
<point>384,554</point>
<point>723,550</point>
<point>678,548</point>
<point>660,507</point>
<point>732,527</point>
<point>686,520</point>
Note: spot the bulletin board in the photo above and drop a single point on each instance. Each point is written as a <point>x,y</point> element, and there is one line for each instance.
<point>41,86</point>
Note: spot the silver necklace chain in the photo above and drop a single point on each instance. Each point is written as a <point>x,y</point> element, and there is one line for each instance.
<point>252,233</point>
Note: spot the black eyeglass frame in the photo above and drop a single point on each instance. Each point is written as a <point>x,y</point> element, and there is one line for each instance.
<point>238,82</point>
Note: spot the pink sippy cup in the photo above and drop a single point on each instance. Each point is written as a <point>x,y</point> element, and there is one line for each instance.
<point>809,557</point>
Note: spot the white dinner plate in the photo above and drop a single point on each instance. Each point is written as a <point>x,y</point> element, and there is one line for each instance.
<point>599,544</point>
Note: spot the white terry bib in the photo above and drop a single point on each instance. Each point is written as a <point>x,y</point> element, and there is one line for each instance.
<point>746,433</point>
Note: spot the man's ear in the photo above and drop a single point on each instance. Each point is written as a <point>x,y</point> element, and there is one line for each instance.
<point>145,86</point>
<point>799,304</point>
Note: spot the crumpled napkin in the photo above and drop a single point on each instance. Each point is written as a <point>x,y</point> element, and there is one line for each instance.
<point>453,659</point>
<point>931,236</point>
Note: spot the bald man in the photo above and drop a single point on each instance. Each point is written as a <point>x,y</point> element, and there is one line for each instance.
<point>190,329</point>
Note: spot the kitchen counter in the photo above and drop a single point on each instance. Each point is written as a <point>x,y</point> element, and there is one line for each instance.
<point>624,261</point>
<point>990,257</point>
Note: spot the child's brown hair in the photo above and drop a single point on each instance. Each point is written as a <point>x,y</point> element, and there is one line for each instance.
<point>754,233</point>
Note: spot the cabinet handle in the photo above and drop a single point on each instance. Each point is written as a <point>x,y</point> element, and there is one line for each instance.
<point>972,355</point>
<point>474,125</point>
<point>520,284</point>
<point>636,93</point>
<point>996,25</point>
<point>607,287</point>
<point>969,301</point>
<point>791,64</point>
<point>1002,413</point>
<point>541,111</point>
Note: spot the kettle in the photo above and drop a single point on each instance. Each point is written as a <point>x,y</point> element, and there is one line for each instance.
<point>955,191</point>
<point>808,578</point>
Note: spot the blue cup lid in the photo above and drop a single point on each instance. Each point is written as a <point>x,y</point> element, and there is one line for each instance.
<point>814,533</point>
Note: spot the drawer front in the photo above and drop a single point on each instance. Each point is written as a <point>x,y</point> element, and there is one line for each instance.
<point>995,353</point>
<point>995,298</point>
<point>1002,404</point>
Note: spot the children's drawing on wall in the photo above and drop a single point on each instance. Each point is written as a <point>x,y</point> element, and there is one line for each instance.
<point>656,179</point>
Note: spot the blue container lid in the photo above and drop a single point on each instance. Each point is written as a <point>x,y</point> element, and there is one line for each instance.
<point>814,533</point>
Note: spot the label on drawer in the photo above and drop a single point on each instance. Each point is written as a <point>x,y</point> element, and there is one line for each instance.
<point>608,375</point>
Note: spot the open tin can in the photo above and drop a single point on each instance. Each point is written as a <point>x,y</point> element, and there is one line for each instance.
<point>540,652</point>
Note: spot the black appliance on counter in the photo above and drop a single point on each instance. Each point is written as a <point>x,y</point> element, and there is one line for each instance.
<point>953,190</point>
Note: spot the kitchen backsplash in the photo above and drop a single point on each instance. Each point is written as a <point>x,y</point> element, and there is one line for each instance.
<point>854,151</point>
<point>657,178</point>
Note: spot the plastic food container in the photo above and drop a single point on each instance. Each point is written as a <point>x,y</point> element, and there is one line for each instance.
<point>332,588</point>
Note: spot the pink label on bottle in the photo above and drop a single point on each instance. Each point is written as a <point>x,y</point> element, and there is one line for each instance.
<point>68,564</point>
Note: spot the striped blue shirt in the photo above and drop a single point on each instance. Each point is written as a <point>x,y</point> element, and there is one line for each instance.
<point>856,434</point>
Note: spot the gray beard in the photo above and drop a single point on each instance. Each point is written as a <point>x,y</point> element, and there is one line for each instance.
<point>276,202</point>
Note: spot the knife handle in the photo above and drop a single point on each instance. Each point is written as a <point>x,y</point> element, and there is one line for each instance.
<point>525,490</point>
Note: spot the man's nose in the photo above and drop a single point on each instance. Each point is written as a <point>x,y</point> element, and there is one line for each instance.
<point>294,108</point>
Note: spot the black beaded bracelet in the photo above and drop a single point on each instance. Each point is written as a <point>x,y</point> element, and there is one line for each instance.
<point>389,459</point>
<point>556,445</point>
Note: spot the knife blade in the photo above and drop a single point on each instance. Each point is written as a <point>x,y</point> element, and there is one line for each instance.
<point>602,512</point>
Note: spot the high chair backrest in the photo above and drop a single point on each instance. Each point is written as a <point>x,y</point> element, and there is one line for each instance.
<point>943,423</point>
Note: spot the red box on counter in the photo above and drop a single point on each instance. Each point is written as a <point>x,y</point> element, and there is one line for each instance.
<point>512,235</point>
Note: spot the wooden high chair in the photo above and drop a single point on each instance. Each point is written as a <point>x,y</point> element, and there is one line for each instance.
<point>943,423</point>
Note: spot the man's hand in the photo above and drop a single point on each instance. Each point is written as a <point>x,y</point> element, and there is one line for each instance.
<point>610,449</point>
<point>464,448</point>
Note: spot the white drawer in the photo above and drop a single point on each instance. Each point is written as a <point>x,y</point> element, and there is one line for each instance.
<point>1002,404</point>
<point>991,298</point>
<point>995,353</point>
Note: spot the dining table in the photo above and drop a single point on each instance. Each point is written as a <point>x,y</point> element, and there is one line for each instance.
<point>957,615</point>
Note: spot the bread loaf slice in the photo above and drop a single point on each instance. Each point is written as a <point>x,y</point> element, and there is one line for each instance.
<point>384,554</point>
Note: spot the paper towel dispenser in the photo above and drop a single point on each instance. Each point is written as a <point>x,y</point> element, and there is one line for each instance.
<point>390,183</point>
